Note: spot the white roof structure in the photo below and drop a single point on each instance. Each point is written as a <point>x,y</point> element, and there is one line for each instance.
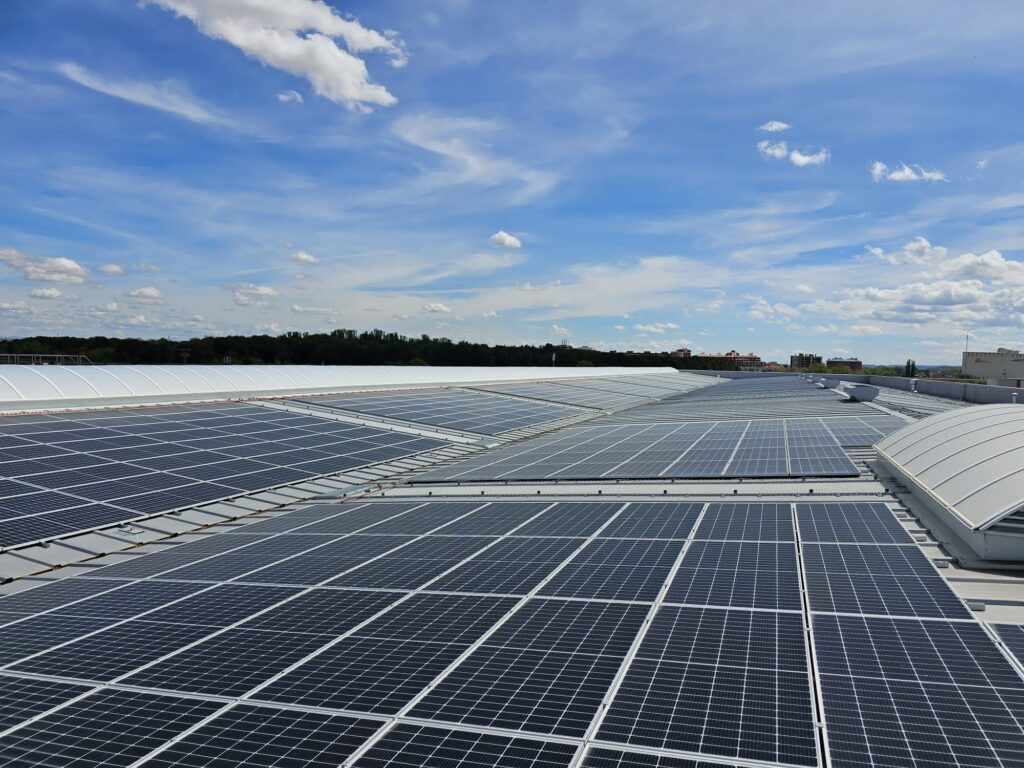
<point>26,387</point>
<point>969,459</point>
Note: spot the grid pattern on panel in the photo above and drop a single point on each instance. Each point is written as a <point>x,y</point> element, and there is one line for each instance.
<point>545,671</point>
<point>23,698</point>
<point>738,574</point>
<point>616,569</point>
<point>106,728</point>
<point>465,410</point>
<point>268,738</point>
<point>559,392</point>
<point>654,520</point>
<point>651,451</point>
<point>747,522</point>
<point>719,682</point>
<point>82,471</point>
<point>869,522</point>
<point>513,566</point>
<point>1012,636</point>
<point>613,758</point>
<point>877,579</point>
<point>417,746</point>
<point>384,664</point>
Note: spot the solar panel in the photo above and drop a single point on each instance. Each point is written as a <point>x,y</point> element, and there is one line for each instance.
<point>106,728</point>
<point>728,683</point>
<point>22,698</point>
<point>536,682</point>
<point>271,738</point>
<point>466,410</point>
<point>1012,636</point>
<point>612,758</point>
<point>512,566</point>
<point>747,522</point>
<point>869,522</point>
<point>136,476</point>
<point>657,520</point>
<point>870,579</point>
<point>738,574</point>
<point>639,451</point>
<point>616,569</point>
<point>418,746</point>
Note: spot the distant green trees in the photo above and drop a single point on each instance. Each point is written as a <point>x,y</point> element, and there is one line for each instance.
<point>910,369</point>
<point>339,347</point>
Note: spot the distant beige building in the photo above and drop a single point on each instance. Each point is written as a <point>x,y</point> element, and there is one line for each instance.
<point>747,362</point>
<point>1004,367</point>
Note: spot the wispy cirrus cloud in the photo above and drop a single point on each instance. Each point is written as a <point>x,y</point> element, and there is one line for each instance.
<point>882,172</point>
<point>171,96</point>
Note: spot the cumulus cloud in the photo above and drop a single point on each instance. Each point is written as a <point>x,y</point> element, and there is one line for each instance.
<point>503,239</point>
<point>148,295</point>
<point>762,309</point>
<point>489,314</point>
<point>143,266</point>
<point>774,126</point>
<point>437,308</point>
<point>257,296</point>
<point>112,269</point>
<point>917,251</point>
<point>304,258</point>
<point>655,327</point>
<point>560,330</point>
<point>14,307</point>
<point>882,172</point>
<point>45,293</point>
<point>167,95</point>
<point>289,96</point>
<point>49,270</point>
<point>779,150</point>
<point>300,37</point>
<point>775,150</point>
<point>803,288</point>
<point>866,330</point>
<point>801,160</point>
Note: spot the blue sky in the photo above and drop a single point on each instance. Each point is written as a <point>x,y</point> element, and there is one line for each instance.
<point>835,177</point>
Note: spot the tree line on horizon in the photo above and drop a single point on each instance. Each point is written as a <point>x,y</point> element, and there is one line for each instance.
<point>340,347</point>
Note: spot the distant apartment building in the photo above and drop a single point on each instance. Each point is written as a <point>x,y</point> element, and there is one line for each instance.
<point>804,360</point>
<point>1004,367</point>
<point>851,363</point>
<point>683,352</point>
<point>747,362</point>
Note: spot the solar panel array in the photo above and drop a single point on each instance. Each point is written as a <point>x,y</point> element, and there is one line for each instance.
<point>465,410</point>
<point>63,473</point>
<point>449,632</point>
<point>649,451</point>
<point>783,397</point>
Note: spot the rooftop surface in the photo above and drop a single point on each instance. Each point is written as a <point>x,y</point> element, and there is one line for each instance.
<point>649,570</point>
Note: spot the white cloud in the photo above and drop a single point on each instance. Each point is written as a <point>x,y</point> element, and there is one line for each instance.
<point>148,295</point>
<point>980,165</point>
<point>802,160</point>
<point>112,269</point>
<point>437,308</point>
<point>866,330</point>
<point>300,310</point>
<point>249,295</point>
<point>762,309</point>
<point>560,330</point>
<point>620,327</point>
<point>882,172</point>
<point>773,150</point>
<point>299,37</point>
<point>143,266</point>
<point>15,307</point>
<point>830,328</point>
<point>45,293</point>
<point>167,95</point>
<point>50,270</point>
<point>289,96</point>
<point>775,126</point>
<point>503,239</point>
<point>803,288</point>
<point>655,327</point>
<point>304,258</point>
<point>917,251</point>
<point>467,158</point>
<point>990,266</point>
<point>489,314</point>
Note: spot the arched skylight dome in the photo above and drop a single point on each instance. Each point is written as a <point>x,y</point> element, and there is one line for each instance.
<point>54,385</point>
<point>969,459</point>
